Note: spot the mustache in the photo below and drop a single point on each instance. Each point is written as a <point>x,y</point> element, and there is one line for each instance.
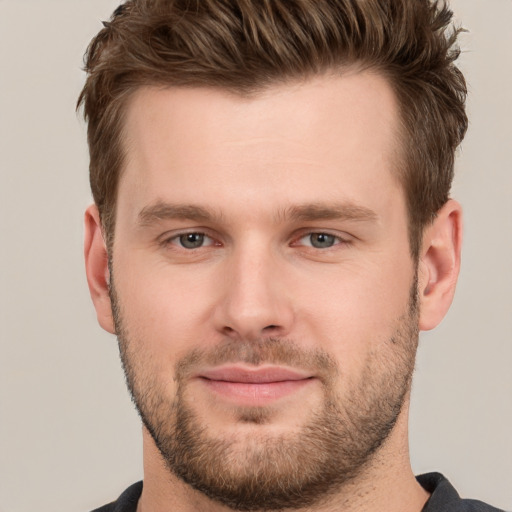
<point>275,351</point>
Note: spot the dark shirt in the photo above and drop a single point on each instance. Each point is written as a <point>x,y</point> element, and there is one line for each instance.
<point>444,498</point>
<point>127,502</point>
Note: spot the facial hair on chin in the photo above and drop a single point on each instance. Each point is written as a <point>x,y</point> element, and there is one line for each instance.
<point>272,472</point>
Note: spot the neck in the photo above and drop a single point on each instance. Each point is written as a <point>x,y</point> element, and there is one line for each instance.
<point>387,483</point>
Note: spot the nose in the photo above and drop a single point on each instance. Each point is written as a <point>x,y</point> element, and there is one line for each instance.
<point>254,302</point>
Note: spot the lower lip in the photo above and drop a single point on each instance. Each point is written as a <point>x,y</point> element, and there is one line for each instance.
<point>250,393</point>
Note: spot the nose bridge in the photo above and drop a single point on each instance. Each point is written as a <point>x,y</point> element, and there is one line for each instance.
<point>254,301</point>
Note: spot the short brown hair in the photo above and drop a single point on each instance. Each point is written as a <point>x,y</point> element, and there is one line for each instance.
<point>247,45</point>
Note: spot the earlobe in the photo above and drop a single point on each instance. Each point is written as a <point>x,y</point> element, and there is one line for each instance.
<point>439,264</point>
<point>96,267</point>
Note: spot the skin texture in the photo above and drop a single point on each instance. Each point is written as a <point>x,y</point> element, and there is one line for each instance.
<point>261,178</point>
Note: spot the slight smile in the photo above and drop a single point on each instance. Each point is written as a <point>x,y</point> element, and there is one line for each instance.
<point>253,386</point>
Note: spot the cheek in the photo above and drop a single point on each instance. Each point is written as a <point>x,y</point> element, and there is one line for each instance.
<point>357,311</point>
<point>164,308</point>
<point>160,321</point>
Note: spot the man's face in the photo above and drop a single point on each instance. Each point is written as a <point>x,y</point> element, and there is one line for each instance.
<point>263,289</point>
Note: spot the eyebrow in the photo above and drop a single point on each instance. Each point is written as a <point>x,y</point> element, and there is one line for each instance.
<point>335,211</point>
<point>166,211</point>
<point>300,213</point>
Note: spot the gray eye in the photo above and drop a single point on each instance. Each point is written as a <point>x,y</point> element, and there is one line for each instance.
<point>322,240</point>
<point>192,240</point>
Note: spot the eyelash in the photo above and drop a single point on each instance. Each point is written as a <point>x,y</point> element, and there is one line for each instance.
<point>178,238</point>
<point>337,240</point>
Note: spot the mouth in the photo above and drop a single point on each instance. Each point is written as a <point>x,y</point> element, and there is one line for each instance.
<point>254,386</point>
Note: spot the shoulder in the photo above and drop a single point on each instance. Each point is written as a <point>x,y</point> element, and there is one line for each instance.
<point>127,502</point>
<point>444,498</point>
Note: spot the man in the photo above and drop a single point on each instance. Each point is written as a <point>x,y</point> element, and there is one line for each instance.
<point>272,227</point>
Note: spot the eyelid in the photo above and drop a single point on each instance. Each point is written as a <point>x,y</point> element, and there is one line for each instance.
<point>171,237</point>
<point>341,238</point>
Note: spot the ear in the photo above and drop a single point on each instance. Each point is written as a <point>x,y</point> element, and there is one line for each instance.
<point>96,267</point>
<point>439,264</point>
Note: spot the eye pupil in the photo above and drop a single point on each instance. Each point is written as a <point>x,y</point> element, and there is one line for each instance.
<point>192,240</point>
<point>322,240</point>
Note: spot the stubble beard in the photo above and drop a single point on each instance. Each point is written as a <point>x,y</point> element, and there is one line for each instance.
<point>273,472</point>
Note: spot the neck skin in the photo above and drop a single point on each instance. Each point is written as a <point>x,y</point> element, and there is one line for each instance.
<point>386,484</point>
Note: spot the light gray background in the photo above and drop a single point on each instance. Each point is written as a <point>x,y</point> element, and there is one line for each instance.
<point>69,437</point>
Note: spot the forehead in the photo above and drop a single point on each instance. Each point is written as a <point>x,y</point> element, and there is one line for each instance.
<point>328,135</point>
